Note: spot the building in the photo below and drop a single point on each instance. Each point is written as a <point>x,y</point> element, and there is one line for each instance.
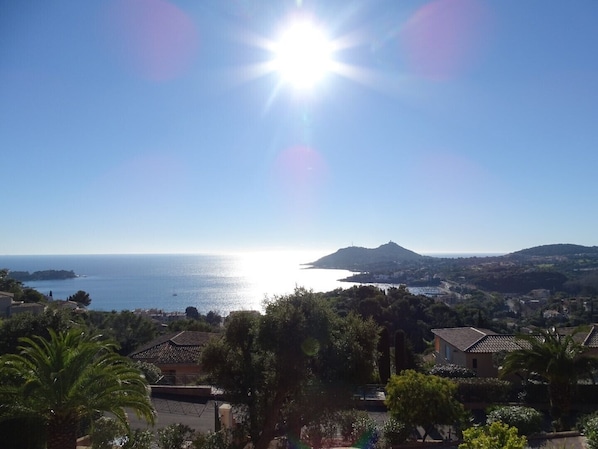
<point>472,348</point>
<point>176,354</point>
<point>10,307</point>
<point>477,349</point>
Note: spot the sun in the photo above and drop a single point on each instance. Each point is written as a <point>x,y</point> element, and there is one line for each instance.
<point>302,55</point>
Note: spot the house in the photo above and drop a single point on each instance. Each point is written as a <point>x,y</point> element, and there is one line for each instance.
<point>176,354</point>
<point>477,348</point>
<point>26,307</point>
<point>6,299</point>
<point>10,307</point>
<point>471,347</point>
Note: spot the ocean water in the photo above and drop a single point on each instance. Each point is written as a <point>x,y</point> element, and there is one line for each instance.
<point>221,283</point>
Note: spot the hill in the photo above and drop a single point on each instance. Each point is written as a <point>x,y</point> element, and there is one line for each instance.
<point>555,250</point>
<point>356,258</point>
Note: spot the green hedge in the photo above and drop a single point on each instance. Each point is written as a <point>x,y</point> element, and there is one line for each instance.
<point>537,393</point>
<point>486,390</point>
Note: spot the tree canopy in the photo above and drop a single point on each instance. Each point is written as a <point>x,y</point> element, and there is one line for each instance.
<point>81,297</point>
<point>295,361</point>
<point>424,400</point>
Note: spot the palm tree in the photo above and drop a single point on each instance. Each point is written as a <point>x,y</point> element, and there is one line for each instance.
<point>559,360</point>
<point>67,378</point>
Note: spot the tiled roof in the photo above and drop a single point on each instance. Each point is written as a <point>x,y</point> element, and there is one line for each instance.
<point>178,348</point>
<point>462,337</point>
<point>496,343</point>
<point>471,339</point>
<point>591,339</point>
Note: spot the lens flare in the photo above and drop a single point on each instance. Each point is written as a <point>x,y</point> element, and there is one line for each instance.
<point>152,37</point>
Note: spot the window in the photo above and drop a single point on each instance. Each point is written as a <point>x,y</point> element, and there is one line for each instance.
<point>474,363</point>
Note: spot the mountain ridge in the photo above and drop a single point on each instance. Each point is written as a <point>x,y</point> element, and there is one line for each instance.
<point>356,258</point>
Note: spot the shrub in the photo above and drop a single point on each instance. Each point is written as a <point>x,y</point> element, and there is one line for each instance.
<point>325,427</point>
<point>346,422</point>
<point>494,436</point>
<point>105,432</point>
<point>588,425</point>
<point>173,436</point>
<point>423,400</point>
<point>151,372</point>
<point>526,419</point>
<point>313,434</point>
<point>365,432</point>
<point>213,440</point>
<point>489,390</point>
<point>394,432</point>
<point>139,439</point>
<point>452,371</point>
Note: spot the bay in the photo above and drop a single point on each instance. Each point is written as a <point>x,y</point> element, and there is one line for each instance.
<point>172,282</point>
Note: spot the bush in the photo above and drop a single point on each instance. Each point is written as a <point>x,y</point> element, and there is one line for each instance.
<point>365,432</point>
<point>452,371</point>
<point>105,432</point>
<point>527,420</point>
<point>346,421</point>
<point>394,432</point>
<point>139,439</point>
<point>494,436</point>
<point>488,390</point>
<point>151,372</point>
<point>213,440</point>
<point>588,425</point>
<point>357,427</point>
<point>323,428</point>
<point>173,436</point>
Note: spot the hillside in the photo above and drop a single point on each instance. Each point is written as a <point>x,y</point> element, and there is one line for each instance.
<point>555,250</point>
<point>356,258</point>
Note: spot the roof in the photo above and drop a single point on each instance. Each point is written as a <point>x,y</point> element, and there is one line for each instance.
<point>591,339</point>
<point>175,348</point>
<point>477,340</point>
<point>462,337</point>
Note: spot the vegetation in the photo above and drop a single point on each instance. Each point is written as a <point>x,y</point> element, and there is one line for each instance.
<point>173,436</point>
<point>423,400</point>
<point>287,368</point>
<point>588,426</point>
<point>128,329</point>
<point>451,371</point>
<point>44,275</point>
<point>483,389</point>
<point>557,359</point>
<point>493,436</point>
<point>27,325</point>
<point>298,360</point>
<point>81,298</point>
<point>526,420</point>
<point>66,378</point>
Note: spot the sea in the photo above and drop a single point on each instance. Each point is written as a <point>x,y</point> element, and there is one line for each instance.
<point>172,282</point>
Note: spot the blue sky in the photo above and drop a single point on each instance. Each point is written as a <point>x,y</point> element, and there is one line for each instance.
<point>147,126</point>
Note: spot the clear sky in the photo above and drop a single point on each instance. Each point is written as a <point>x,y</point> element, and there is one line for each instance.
<point>174,126</point>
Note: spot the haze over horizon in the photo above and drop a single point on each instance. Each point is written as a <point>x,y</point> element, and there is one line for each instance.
<point>206,127</point>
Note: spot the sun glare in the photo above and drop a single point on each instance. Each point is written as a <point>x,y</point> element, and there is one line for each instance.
<point>303,55</point>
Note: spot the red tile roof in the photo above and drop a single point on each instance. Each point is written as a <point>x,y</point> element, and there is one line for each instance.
<point>175,348</point>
